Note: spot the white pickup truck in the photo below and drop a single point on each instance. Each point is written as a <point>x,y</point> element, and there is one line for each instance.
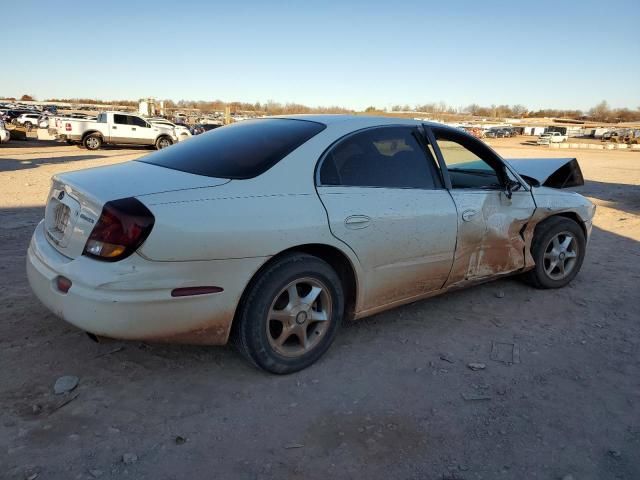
<point>552,137</point>
<point>114,128</point>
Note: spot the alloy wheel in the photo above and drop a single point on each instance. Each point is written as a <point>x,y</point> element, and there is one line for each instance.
<point>560,256</point>
<point>299,317</point>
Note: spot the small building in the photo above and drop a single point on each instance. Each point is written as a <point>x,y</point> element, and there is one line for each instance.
<point>533,130</point>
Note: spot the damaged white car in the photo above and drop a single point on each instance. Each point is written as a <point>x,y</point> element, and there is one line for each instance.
<point>271,232</point>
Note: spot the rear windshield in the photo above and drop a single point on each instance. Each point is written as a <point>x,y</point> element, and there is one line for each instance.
<point>241,150</point>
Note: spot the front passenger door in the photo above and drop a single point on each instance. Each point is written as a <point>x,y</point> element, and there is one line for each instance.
<point>384,198</point>
<point>142,133</point>
<point>490,224</point>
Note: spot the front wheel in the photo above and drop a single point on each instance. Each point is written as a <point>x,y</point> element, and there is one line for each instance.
<point>558,249</point>
<point>163,142</point>
<point>291,315</point>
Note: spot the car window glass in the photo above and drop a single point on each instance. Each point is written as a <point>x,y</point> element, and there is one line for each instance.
<point>241,150</point>
<point>466,163</point>
<point>388,157</point>
<point>137,122</point>
<point>120,119</point>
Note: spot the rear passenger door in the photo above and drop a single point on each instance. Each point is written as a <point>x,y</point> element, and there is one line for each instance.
<point>384,198</point>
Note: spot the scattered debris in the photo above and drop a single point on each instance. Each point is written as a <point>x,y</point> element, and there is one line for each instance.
<point>129,458</point>
<point>498,323</point>
<point>476,366</point>
<point>66,401</point>
<point>293,445</point>
<point>473,396</point>
<point>500,294</point>
<point>65,384</point>
<point>614,453</point>
<point>446,358</point>
<point>33,476</point>
<point>110,352</point>
<point>505,352</point>
<point>180,440</point>
<point>95,473</point>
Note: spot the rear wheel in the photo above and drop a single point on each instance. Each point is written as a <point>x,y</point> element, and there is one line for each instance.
<point>163,142</point>
<point>92,142</point>
<point>291,315</point>
<point>558,249</point>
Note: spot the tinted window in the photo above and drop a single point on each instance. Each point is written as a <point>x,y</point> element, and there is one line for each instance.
<point>241,150</point>
<point>137,122</point>
<point>120,119</point>
<point>390,157</point>
<point>470,163</point>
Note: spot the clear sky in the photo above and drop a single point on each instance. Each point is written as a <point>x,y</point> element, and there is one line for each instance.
<point>540,53</point>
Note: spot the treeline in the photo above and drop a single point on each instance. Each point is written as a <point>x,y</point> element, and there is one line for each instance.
<point>600,113</point>
<point>270,107</point>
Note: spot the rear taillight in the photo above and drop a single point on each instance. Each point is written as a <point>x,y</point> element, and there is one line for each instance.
<point>67,127</point>
<point>122,227</point>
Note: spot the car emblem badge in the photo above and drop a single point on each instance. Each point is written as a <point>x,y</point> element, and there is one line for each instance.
<point>60,195</point>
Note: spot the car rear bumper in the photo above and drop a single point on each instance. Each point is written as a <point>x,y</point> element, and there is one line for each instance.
<point>132,299</point>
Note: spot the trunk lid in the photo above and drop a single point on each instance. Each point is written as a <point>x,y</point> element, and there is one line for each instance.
<point>76,199</point>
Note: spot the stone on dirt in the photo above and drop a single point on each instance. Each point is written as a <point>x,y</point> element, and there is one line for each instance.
<point>476,366</point>
<point>65,384</point>
<point>129,458</point>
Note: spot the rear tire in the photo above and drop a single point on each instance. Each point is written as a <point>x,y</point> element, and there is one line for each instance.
<point>291,314</point>
<point>558,249</point>
<point>92,142</point>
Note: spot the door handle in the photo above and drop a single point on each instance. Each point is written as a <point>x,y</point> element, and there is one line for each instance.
<point>133,128</point>
<point>114,127</point>
<point>356,222</point>
<point>467,215</point>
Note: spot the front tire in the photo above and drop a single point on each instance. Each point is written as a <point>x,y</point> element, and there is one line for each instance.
<point>558,249</point>
<point>92,142</point>
<point>291,314</point>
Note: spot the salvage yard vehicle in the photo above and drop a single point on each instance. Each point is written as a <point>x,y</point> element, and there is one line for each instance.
<point>115,128</point>
<point>4,133</point>
<point>28,120</point>
<point>182,132</point>
<point>273,231</point>
<point>551,137</point>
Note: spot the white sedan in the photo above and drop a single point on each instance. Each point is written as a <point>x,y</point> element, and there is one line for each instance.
<point>271,232</point>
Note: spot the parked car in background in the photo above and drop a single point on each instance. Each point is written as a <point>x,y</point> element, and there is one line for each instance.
<point>273,231</point>
<point>182,131</point>
<point>204,127</point>
<point>4,133</point>
<point>28,120</point>
<point>497,133</point>
<point>114,128</point>
<point>11,115</point>
<point>551,137</point>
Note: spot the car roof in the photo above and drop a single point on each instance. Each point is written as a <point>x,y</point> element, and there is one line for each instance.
<point>358,120</point>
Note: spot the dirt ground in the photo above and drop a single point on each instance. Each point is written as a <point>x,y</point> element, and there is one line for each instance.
<point>392,399</point>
